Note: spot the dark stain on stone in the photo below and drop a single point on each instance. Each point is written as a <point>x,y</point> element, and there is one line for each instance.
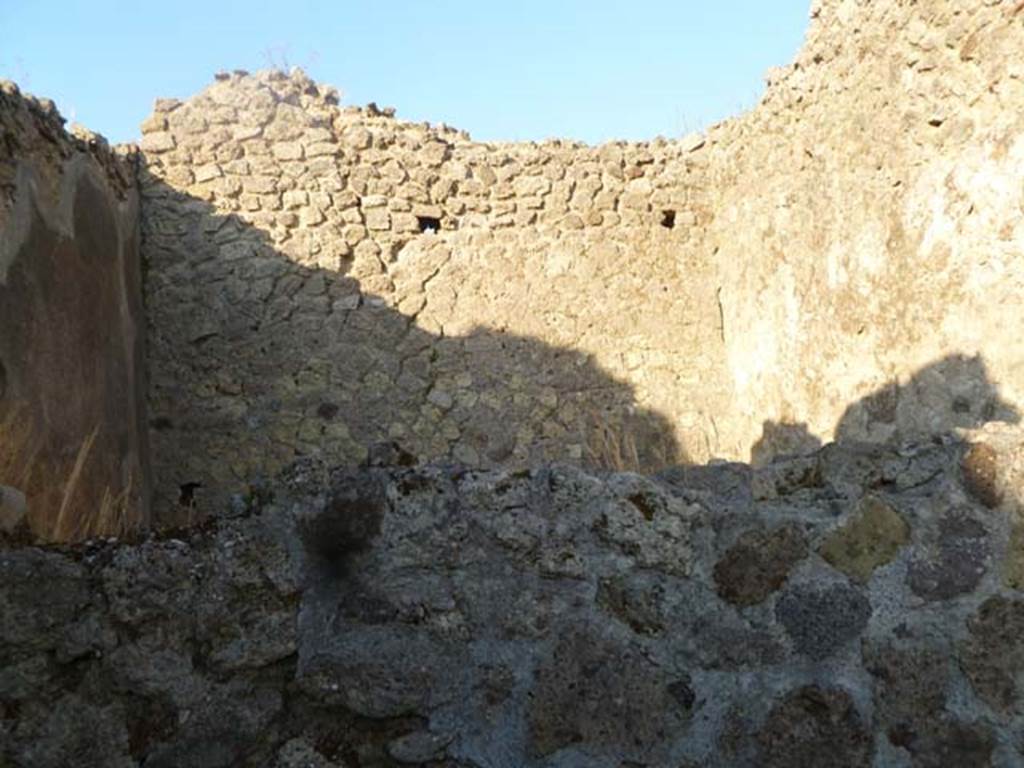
<point>643,503</point>
<point>682,692</point>
<point>349,522</point>
<point>161,423</point>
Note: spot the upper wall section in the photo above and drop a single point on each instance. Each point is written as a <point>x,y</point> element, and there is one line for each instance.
<point>72,435</point>
<point>868,226</point>
<point>324,279</point>
<point>842,261</point>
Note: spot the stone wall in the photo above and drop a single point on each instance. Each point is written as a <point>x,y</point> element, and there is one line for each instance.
<point>553,308</point>
<point>867,224</point>
<point>855,607</point>
<point>729,295</point>
<point>73,439</point>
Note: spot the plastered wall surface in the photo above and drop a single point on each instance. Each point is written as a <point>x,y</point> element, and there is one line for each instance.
<point>73,438</point>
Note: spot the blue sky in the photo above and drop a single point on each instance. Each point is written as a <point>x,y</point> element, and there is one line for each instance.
<point>529,69</point>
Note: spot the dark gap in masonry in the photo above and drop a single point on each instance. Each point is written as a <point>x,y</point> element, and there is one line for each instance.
<point>668,219</point>
<point>428,223</point>
<point>187,493</point>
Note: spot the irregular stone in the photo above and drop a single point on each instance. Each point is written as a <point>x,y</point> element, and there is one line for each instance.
<point>812,727</point>
<point>955,563</point>
<point>297,753</point>
<point>419,747</point>
<point>870,539</point>
<point>604,693</point>
<point>945,742</point>
<point>786,476</point>
<point>822,620</point>
<point>911,683</point>
<point>993,654</point>
<point>650,525</point>
<point>980,466</point>
<point>637,602</point>
<point>759,563</point>
<point>158,141</point>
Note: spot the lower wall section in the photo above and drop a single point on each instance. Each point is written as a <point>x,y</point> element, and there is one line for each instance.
<point>855,607</point>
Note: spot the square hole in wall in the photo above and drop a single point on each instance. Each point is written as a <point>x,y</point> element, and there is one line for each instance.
<point>668,219</point>
<point>428,224</point>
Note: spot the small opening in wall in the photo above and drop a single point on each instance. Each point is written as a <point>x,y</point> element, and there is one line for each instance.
<point>161,424</point>
<point>187,494</point>
<point>327,411</point>
<point>668,219</point>
<point>428,224</point>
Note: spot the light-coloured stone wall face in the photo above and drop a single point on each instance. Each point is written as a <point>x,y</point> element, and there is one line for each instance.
<point>556,308</point>
<point>868,228</point>
<point>73,436</point>
<point>844,260</point>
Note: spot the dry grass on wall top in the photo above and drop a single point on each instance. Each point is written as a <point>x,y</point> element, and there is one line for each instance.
<point>60,507</point>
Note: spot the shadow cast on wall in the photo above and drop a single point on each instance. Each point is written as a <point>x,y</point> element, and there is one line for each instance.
<point>952,393</point>
<point>256,360</point>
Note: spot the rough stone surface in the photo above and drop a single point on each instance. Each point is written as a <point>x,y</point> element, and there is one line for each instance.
<point>954,561</point>
<point>441,615</point>
<point>837,263</point>
<point>981,474</point>
<point>820,621</point>
<point>330,286</point>
<point>814,726</point>
<point>994,652</point>
<point>872,539</point>
<point>759,563</point>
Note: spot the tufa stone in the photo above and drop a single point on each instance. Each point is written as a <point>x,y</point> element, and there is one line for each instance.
<point>871,539</point>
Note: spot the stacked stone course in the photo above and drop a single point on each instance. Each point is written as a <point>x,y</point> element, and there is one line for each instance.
<point>297,307</point>
<point>327,278</point>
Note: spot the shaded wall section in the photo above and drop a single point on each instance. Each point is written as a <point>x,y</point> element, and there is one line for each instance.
<point>322,279</point>
<point>71,335</point>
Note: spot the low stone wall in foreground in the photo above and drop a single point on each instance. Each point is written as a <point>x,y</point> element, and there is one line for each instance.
<point>858,606</point>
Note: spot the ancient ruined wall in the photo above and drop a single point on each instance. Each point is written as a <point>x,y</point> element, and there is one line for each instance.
<point>734,295</point>
<point>72,436</point>
<point>849,609</point>
<point>554,309</point>
<point>867,224</point>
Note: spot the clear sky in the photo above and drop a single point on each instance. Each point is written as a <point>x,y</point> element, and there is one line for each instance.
<point>518,70</point>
